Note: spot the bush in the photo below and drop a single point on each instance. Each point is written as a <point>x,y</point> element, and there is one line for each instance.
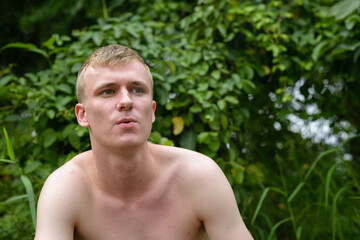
<point>223,78</point>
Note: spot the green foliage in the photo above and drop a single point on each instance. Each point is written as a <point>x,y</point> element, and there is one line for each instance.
<point>224,76</point>
<point>26,183</point>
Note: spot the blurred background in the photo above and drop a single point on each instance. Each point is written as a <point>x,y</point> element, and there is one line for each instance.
<point>268,89</point>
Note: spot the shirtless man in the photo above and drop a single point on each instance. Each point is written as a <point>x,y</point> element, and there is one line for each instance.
<point>126,188</point>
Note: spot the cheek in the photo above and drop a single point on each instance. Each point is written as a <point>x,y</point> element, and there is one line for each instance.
<point>96,113</point>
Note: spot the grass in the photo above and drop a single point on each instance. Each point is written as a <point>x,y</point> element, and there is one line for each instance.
<point>25,180</point>
<point>306,207</point>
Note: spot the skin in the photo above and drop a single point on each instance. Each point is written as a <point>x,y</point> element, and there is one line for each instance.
<point>127,188</point>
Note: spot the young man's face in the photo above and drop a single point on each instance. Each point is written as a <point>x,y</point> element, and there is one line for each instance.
<point>118,108</point>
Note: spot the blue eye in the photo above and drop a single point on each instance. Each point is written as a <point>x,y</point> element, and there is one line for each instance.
<point>138,90</point>
<point>107,92</point>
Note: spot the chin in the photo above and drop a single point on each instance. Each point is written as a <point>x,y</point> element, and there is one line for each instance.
<point>129,143</point>
<point>121,141</point>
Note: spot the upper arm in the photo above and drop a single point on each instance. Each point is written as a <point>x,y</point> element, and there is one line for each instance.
<point>217,206</point>
<point>56,209</point>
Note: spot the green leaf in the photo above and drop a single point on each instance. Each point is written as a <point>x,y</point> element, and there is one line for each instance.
<point>50,113</point>
<point>222,30</point>
<point>50,42</point>
<point>221,104</point>
<point>232,100</point>
<point>216,74</point>
<point>202,137</point>
<point>318,50</point>
<point>239,178</point>
<point>344,8</point>
<point>166,142</point>
<point>171,66</point>
<point>224,121</point>
<point>64,87</point>
<point>346,46</point>
<point>195,109</point>
<point>249,72</point>
<point>351,22</point>
<point>203,87</point>
<point>201,68</point>
<point>132,31</point>
<point>208,32</point>
<point>30,196</point>
<point>245,112</point>
<point>320,156</point>
<point>4,80</point>
<point>98,38</point>
<point>10,149</point>
<point>233,153</point>
<point>296,191</point>
<point>13,199</point>
<point>334,208</point>
<point>277,190</point>
<point>356,211</point>
<point>74,139</point>
<point>26,46</point>
<point>327,183</point>
<point>13,118</point>
<point>236,78</point>
<point>258,207</point>
<point>32,166</point>
<point>238,117</point>
<point>7,161</point>
<point>196,57</point>
<point>188,139</point>
<point>273,229</point>
<point>214,145</point>
<point>61,101</point>
<point>75,68</point>
<point>247,85</point>
<point>238,172</point>
<point>286,98</point>
<point>50,137</point>
<point>155,137</point>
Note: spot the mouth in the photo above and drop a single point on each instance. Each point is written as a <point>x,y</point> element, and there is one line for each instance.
<point>126,122</point>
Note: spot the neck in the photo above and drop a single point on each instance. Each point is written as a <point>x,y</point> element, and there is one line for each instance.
<point>126,173</point>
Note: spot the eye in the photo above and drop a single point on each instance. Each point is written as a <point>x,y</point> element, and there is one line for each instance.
<point>107,92</point>
<point>138,91</point>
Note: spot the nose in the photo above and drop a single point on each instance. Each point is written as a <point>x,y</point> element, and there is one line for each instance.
<point>125,102</point>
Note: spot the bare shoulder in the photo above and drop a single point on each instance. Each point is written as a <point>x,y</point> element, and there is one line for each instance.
<point>67,182</point>
<point>194,168</point>
<point>190,158</point>
<point>61,199</point>
<point>73,171</point>
<point>205,188</point>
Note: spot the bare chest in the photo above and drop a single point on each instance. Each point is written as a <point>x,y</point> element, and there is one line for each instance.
<point>159,215</point>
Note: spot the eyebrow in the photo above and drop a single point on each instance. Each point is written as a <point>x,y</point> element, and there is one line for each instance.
<point>112,84</point>
<point>138,83</point>
<point>105,85</point>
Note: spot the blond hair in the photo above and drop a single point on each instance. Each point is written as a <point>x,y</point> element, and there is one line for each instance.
<point>105,56</point>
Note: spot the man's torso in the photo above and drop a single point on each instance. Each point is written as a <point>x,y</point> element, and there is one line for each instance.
<point>165,211</point>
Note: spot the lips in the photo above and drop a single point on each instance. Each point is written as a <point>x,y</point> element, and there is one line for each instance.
<point>126,122</point>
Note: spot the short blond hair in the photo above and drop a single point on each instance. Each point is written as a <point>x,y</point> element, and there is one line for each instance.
<point>105,56</point>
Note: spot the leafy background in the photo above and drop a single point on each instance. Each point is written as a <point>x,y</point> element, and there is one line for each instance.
<point>268,89</point>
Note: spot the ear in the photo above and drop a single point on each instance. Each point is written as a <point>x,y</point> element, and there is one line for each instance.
<point>153,111</point>
<point>81,115</point>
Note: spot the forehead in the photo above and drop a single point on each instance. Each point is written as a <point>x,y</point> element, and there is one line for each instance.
<point>118,73</point>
